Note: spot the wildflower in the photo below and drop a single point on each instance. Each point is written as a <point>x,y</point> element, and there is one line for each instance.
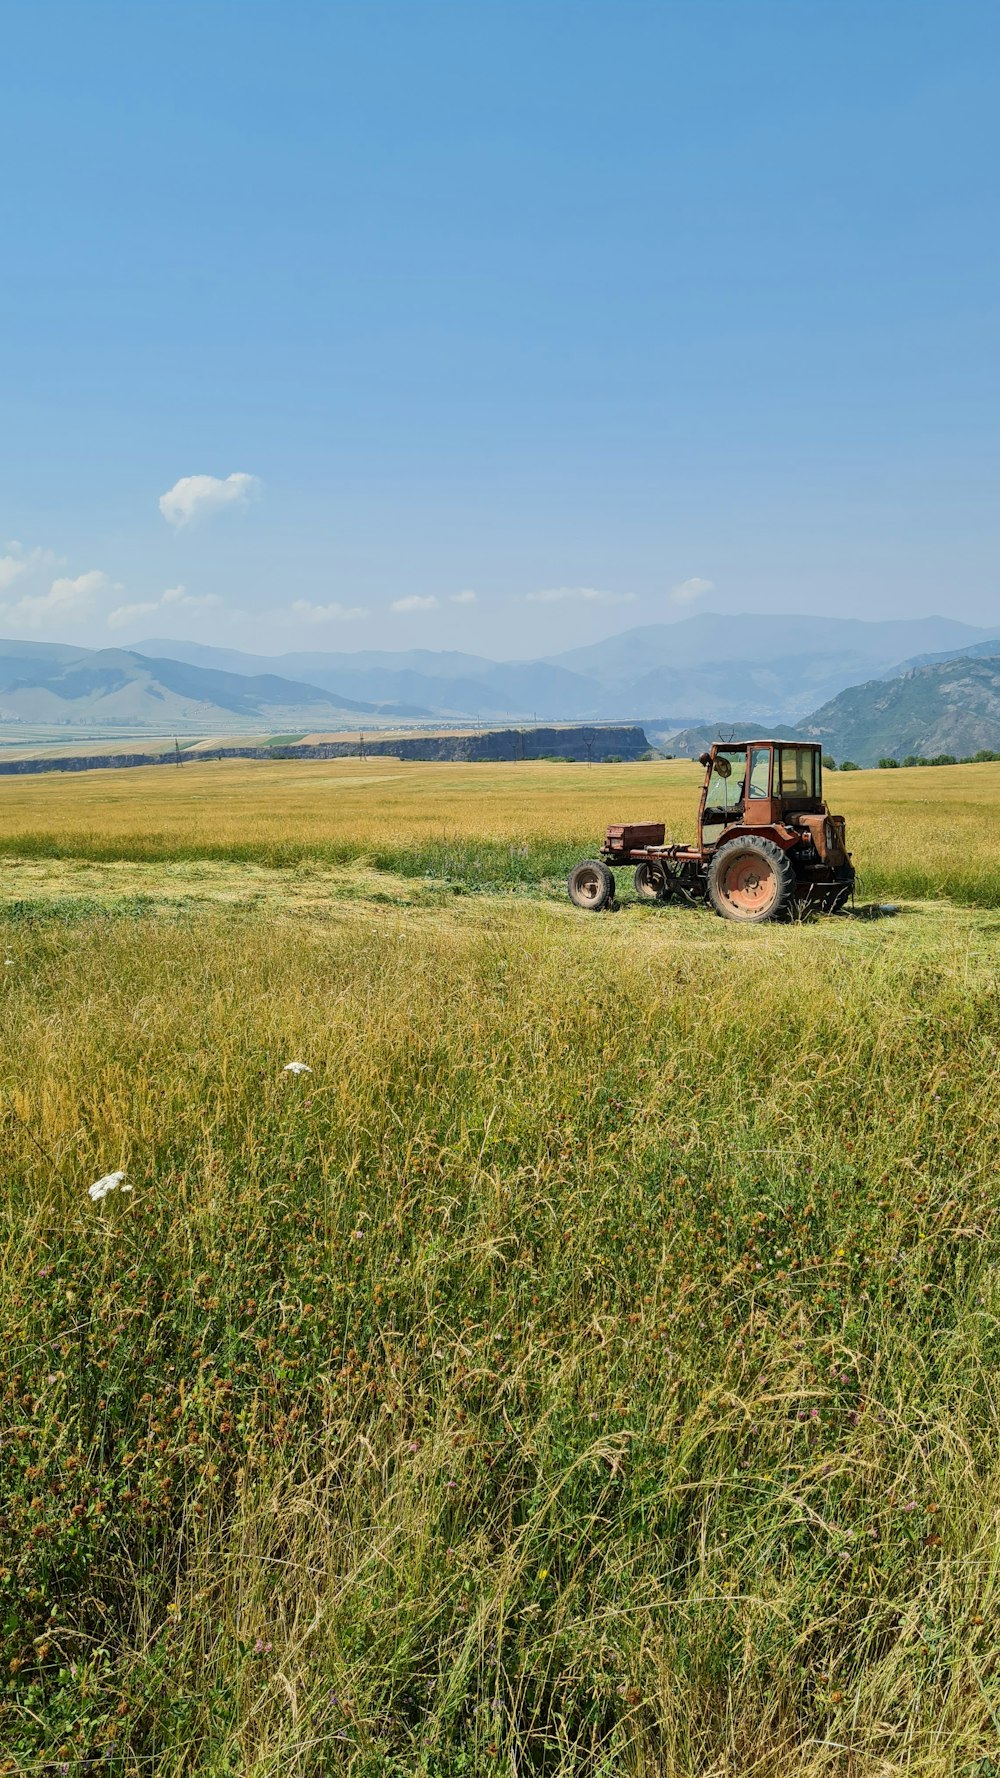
<point>109,1183</point>
<point>543,1574</point>
<point>296,1068</point>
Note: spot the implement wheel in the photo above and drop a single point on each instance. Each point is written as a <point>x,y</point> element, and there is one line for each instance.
<point>751,880</point>
<point>651,882</point>
<point>591,885</point>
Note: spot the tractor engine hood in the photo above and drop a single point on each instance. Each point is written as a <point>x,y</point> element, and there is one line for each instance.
<point>828,835</point>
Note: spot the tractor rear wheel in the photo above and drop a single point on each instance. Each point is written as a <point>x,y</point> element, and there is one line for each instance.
<point>651,882</point>
<point>750,879</point>
<point>591,885</point>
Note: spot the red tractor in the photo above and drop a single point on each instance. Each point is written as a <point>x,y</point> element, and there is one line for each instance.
<point>766,844</point>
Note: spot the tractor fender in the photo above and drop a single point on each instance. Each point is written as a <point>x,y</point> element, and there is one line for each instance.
<point>785,837</point>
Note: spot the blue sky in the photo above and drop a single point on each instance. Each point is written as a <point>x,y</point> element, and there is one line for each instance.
<point>565,306</point>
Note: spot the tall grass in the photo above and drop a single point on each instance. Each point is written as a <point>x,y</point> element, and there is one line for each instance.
<point>588,1368</point>
<point>919,833</point>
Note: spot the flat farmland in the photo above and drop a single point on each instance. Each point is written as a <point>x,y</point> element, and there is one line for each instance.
<point>923,832</point>
<point>588,1366</point>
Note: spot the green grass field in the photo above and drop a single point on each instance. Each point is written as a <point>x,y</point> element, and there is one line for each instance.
<point>589,1367</point>
<point>923,833</point>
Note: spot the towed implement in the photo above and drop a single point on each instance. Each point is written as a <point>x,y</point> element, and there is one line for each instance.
<point>767,845</point>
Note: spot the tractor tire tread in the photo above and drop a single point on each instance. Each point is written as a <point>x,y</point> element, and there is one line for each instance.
<point>780,863</point>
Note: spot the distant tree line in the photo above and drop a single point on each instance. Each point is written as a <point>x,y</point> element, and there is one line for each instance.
<point>915,759</point>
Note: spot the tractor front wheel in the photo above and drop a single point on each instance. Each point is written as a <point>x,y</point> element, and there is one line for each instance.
<point>591,885</point>
<point>751,880</point>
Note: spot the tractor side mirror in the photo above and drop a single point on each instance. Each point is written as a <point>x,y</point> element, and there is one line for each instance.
<point>723,766</point>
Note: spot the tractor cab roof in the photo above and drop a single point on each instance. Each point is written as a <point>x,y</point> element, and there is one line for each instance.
<point>767,741</point>
<point>706,758</point>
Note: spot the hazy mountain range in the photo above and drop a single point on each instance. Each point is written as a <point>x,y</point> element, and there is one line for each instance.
<point>952,706</point>
<point>44,682</point>
<point>924,685</point>
<point>709,667</point>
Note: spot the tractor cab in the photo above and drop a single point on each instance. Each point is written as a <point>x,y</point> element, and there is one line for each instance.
<point>755,784</point>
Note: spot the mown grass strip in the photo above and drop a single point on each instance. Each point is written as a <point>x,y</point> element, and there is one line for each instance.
<point>477,864</point>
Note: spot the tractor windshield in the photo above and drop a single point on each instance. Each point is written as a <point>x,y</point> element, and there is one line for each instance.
<point>725,785</point>
<point>760,772</point>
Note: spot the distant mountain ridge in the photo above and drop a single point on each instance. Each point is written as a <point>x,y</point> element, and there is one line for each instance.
<point>709,666</point>
<point>975,651</point>
<point>49,682</point>
<point>450,684</point>
<point>951,706</point>
<point>701,671</point>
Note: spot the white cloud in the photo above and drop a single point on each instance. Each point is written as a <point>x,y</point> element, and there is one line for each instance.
<point>325,614</point>
<point>414,602</point>
<point>126,614</point>
<point>65,598</point>
<point>179,597</point>
<point>176,598</point>
<point>11,568</point>
<point>465,598</point>
<point>586,594</point>
<point>195,496</point>
<point>17,563</point>
<point>687,591</point>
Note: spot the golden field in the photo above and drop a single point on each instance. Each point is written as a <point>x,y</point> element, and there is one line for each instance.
<point>587,1367</point>
<point>920,832</point>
